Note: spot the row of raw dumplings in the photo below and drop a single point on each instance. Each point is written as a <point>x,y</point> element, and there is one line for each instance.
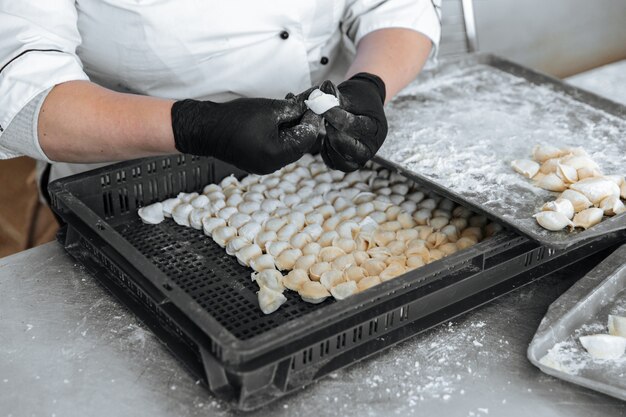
<point>335,234</point>
<point>587,195</point>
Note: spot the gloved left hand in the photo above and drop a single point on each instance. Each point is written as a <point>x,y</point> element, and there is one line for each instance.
<point>357,129</point>
<point>255,134</point>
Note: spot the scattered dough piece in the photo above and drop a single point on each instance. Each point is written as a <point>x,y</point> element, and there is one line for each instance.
<point>617,325</point>
<point>589,217</point>
<point>552,220</point>
<point>313,292</point>
<point>181,213</point>
<point>612,205</point>
<point>344,290</point>
<point>541,153</point>
<point>295,279</point>
<point>567,173</point>
<point>526,167</point>
<point>270,300</point>
<point>549,166</point>
<point>152,214</point>
<point>604,346</point>
<point>596,189</point>
<point>562,205</point>
<point>269,278</point>
<point>320,102</point>
<point>169,205</point>
<point>551,182</point>
<point>579,162</point>
<point>368,282</point>
<point>332,278</point>
<point>579,200</point>
<point>584,173</point>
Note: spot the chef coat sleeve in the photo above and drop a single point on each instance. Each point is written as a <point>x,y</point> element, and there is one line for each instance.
<point>38,41</point>
<point>364,16</point>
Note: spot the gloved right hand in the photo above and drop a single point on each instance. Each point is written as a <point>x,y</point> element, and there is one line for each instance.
<point>356,130</point>
<point>257,135</point>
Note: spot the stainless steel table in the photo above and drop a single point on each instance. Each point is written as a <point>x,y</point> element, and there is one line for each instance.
<point>68,348</point>
<point>608,81</point>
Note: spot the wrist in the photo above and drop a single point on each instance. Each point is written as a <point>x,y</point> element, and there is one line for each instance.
<point>191,120</point>
<point>373,80</point>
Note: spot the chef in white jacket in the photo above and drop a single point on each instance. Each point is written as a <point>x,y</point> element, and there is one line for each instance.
<point>93,81</point>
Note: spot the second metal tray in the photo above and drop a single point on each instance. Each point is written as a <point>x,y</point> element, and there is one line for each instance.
<point>583,310</point>
<point>456,129</point>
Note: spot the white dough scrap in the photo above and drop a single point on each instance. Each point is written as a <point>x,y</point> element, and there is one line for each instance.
<point>526,167</point>
<point>617,325</point>
<point>552,220</point>
<point>169,205</point>
<point>181,213</point>
<point>596,189</point>
<point>320,102</point>
<point>270,300</point>
<point>562,205</point>
<point>269,278</point>
<point>344,290</point>
<point>152,214</point>
<point>604,346</point>
<point>588,217</point>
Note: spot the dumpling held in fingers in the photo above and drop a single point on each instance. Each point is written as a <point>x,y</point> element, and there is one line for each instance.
<point>320,102</point>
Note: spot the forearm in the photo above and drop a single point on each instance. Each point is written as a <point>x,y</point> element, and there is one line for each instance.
<point>82,122</point>
<point>395,55</point>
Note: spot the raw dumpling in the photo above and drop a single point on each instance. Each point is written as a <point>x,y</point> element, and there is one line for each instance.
<point>320,102</point>
<point>551,182</point>
<point>596,189</point>
<point>578,200</point>
<point>181,213</point>
<point>270,300</point>
<point>552,220</point>
<point>542,153</point>
<point>152,214</point>
<point>612,205</point>
<point>344,290</point>
<point>604,346</point>
<point>526,167</point>
<point>169,205</point>
<point>295,279</point>
<point>313,292</point>
<point>561,205</point>
<point>588,217</point>
<point>269,278</point>
<point>617,325</point>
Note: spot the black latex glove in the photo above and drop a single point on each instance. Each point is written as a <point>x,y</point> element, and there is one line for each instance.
<point>255,134</point>
<point>357,129</point>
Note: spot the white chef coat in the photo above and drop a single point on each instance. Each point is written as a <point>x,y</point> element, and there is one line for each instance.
<point>211,49</point>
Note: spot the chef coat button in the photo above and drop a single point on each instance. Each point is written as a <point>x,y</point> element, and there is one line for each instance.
<point>324,60</point>
<point>284,34</point>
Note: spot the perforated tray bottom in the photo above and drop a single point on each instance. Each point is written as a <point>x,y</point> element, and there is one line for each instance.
<point>215,280</point>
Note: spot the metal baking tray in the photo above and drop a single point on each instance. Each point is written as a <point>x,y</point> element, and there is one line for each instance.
<point>581,310</point>
<point>457,128</point>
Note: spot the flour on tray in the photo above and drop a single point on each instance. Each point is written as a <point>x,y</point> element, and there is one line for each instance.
<point>571,358</point>
<point>461,129</point>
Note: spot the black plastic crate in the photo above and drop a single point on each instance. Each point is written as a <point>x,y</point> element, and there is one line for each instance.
<point>203,305</point>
